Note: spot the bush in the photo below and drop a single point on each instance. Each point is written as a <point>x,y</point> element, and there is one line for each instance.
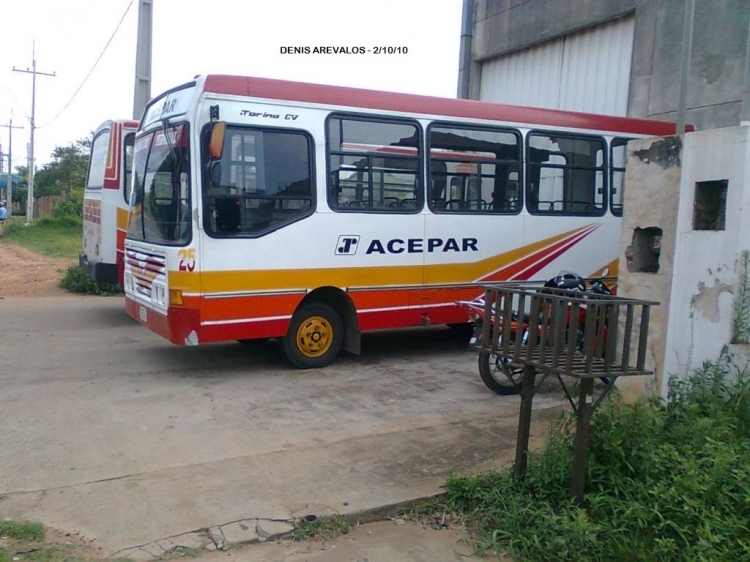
<point>665,481</point>
<point>76,280</point>
<point>72,206</point>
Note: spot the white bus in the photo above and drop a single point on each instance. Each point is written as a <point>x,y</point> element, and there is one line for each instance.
<point>273,209</point>
<point>105,202</point>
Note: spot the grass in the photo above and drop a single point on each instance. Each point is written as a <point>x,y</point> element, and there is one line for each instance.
<point>26,541</point>
<point>325,528</point>
<point>665,482</point>
<point>54,237</point>
<point>21,531</point>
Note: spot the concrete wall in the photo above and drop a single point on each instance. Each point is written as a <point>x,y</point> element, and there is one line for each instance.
<point>718,50</point>
<point>698,269</point>
<point>651,197</point>
<point>706,268</point>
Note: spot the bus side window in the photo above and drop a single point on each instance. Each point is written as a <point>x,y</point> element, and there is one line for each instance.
<point>471,169</point>
<point>565,174</point>
<point>618,159</point>
<point>374,165</point>
<point>128,149</point>
<point>262,182</point>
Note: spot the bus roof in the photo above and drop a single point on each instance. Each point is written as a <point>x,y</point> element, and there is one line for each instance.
<point>127,123</point>
<point>429,105</point>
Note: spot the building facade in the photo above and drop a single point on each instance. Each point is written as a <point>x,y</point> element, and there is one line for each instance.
<point>616,57</point>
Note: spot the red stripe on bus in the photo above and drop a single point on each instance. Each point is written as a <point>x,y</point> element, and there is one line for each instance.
<point>427,105</point>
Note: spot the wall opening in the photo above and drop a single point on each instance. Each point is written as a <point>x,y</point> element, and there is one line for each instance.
<point>710,205</point>
<point>643,253</point>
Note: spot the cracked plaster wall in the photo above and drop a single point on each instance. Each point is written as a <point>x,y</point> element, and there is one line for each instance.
<point>706,262</point>
<point>697,273</point>
<point>651,196</point>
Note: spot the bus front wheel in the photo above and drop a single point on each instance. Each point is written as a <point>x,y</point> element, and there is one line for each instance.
<point>314,337</point>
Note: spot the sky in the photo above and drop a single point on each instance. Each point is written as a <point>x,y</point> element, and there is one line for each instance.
<point>90,46</point>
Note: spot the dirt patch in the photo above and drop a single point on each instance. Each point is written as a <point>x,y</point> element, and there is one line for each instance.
<point>26,274</point>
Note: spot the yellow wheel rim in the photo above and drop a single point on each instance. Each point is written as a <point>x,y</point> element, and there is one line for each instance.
<point>315,336</point>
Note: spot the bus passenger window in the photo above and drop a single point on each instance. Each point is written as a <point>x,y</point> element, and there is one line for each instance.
<point>128,148</point>
<point>474,170</point>
<point>565,174</point>
<point>262,182</point>
<point>374,165</point>
<point>618,159</point>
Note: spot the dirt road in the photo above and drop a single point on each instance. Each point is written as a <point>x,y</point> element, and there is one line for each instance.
<point>26,274</point>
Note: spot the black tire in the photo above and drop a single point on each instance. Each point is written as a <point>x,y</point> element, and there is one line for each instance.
<point>463,330</point>
<point>314,337</point>
<point>500,375</point>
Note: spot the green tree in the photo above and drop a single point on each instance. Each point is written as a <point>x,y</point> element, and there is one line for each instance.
<point>66,172</point>
<point>19,191</point>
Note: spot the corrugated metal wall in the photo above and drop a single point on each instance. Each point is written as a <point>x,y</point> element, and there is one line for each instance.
<point>588,71</point>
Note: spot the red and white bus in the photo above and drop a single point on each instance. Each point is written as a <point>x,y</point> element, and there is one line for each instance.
<point>311,213</point>
<point>106,200</point>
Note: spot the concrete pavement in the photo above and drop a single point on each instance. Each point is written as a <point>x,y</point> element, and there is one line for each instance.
<point>138,445</point>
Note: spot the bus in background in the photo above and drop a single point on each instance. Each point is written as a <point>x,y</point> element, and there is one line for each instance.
<point>311,213</point>
<point>106,199</point>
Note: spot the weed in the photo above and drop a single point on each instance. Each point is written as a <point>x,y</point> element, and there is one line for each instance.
<point>665,481</point>
<point>25,541</point>
<point>325,528</point>
<point>21,530</point>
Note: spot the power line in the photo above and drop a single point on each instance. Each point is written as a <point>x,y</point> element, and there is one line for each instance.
<point>92,68</point>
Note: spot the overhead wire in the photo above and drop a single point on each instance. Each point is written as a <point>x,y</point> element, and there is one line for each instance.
<point>104,50</point>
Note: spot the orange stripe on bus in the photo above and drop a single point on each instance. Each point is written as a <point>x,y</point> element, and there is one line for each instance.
<point>354,277</point>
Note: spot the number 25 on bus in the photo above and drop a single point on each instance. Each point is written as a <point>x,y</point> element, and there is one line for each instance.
<point>310,213</point>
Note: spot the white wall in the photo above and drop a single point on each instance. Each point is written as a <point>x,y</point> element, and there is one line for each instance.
<point>706,262</point>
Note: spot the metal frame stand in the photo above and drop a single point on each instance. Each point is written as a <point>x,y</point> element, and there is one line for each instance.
<point>579,335</point>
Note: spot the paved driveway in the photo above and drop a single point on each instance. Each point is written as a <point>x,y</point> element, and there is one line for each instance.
<point>111,432</point>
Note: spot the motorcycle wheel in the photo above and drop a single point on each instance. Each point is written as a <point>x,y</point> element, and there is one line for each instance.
<point>500,375</point>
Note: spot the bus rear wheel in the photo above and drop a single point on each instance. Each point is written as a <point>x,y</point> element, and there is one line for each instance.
<point>314,337</point>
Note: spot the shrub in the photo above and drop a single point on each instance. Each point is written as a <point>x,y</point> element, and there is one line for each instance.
<point>72,206</point>
<point>76,280</point>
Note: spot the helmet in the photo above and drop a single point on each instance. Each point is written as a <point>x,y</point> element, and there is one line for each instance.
<point>568,282</point>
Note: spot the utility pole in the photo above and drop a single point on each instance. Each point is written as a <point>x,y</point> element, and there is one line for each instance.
<point>143,59</point>
<point>687,47</point>
<point>33,72</point>
<point>9,185</point>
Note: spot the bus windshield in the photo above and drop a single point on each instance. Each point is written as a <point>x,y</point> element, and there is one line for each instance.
<point>160,204</point>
